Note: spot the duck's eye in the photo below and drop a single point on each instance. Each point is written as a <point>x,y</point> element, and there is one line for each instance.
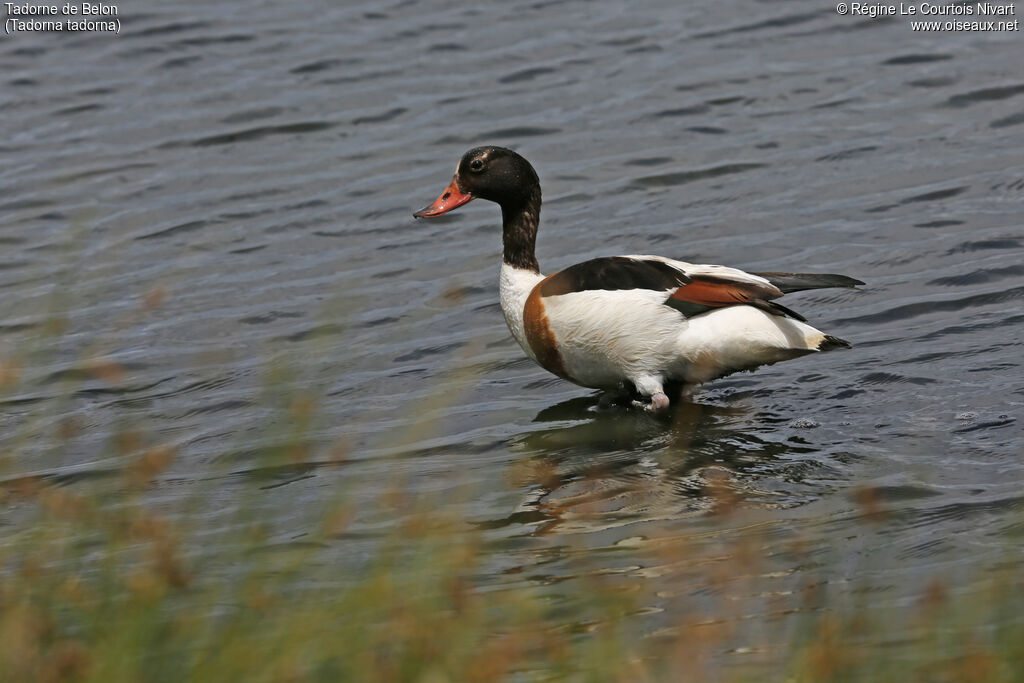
<point>476,165</point>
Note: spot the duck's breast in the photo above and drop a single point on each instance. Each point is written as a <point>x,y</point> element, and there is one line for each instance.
<point>598,338</point>
<point>514,286</point>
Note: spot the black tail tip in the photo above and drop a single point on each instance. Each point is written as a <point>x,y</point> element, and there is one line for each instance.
<point>829,343</point>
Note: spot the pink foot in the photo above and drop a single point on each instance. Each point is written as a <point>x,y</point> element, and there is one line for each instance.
<point>659,403</point>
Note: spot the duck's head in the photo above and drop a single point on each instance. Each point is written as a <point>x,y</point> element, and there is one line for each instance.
<point>493,173</point>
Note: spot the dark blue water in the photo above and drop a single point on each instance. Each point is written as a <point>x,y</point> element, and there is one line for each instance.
<point>215,206</point>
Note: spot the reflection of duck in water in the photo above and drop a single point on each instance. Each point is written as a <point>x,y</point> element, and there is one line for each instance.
<point>582,469</point>
<point>647,323</point>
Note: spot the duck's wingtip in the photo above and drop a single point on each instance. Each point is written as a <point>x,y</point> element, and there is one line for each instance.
<point>798,282</point>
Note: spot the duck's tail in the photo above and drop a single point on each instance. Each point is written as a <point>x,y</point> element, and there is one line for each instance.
<point>830,343</point>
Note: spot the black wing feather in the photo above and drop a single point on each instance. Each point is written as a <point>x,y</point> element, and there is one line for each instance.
<point>798,282</point>
<point>614,273</point>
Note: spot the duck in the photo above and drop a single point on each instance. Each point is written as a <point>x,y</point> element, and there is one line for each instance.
<point>642,326</point>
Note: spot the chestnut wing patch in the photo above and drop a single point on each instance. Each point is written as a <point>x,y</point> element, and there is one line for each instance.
<point>705,292</point>
<point>614,273</point>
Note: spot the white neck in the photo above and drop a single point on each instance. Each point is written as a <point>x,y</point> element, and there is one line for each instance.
<point>515,284</point>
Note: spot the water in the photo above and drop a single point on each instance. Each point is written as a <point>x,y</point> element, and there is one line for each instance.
<point>220,191</point>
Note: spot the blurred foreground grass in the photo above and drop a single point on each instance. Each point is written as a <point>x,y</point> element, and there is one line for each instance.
<point>103,584</point>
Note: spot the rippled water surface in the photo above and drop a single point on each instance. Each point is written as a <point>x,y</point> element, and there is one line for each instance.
<point>217,202</point>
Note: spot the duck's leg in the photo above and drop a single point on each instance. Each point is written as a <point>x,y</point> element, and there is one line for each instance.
<point>651,387</point>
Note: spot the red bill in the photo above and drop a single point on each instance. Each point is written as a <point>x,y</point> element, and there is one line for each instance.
<point>451,198</point>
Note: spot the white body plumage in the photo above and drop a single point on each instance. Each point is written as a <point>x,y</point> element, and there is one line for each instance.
<point>607,337</point>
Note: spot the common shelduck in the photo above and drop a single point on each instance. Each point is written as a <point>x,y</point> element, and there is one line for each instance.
<point>647,324</point>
